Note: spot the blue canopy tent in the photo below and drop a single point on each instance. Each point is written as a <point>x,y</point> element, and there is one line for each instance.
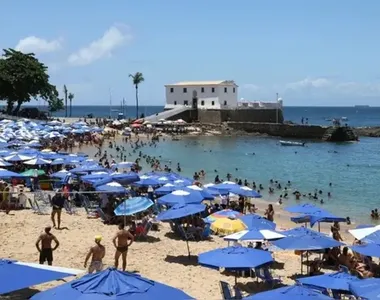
<point>234,258</point>
<point>317,217</point>
<point>180,196</point>
<point>339,281</point>
<point>18,275</point>
<point>133,206</point>
<point>304,239</point>
<point>366,288</point>
<point>302,208</point>
<point>293,292</point>
<point>125,178</point>
<point>112,284</point>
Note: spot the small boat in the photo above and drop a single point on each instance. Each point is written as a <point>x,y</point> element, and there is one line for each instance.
<point>291,143</point>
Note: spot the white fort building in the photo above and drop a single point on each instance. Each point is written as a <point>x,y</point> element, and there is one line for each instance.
<point>211,95</point>
<point>221,94</point>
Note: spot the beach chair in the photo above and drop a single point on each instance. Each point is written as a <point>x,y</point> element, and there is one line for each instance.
<point>106,219</point>
<point>265,275</point>
<point>225,290</point>
<point>145,232</point>
<point>186,235</point>
<point>206,231</point>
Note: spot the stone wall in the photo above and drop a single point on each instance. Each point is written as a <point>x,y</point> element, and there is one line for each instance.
<point>240,115</point>
<point>282,130</point>
<point>189,116</point>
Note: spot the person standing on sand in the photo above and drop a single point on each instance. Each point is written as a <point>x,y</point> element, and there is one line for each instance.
<point>97,253</point>
<point>58,202</point>
<point>124,240</point>
<point>46,251</point>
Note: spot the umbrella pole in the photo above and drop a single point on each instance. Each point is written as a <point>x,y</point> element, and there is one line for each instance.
<point>319,227</point>
<point>307,263</point>
<point>301,262</point>
<point>188,248</point>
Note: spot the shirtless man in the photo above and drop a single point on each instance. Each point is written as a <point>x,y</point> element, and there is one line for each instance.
<point>46,251</point>
<point>97,253</point>
<point>58,202</point>
<point>124,240</point>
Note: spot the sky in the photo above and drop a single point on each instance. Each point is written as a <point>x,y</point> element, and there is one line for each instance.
<point>313,53</point>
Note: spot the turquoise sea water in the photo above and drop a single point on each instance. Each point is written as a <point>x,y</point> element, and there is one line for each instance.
<point>352,168</point>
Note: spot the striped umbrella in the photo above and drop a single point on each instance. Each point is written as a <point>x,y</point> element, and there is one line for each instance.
<point>133,206</point>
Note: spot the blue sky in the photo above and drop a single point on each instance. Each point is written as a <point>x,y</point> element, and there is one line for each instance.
<point>312,52</point>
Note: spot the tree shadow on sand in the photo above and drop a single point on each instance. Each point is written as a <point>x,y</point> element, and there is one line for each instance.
<point>184,260</point>
<point>20,294</point>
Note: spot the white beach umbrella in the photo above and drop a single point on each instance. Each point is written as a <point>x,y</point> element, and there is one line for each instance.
<point>362,233</point>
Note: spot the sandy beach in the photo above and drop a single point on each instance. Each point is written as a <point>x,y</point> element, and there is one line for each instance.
<point>161,257</point>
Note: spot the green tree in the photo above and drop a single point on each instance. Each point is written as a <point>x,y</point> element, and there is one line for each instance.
<point>22,78</point>
<point>65,94</point>
<point>71,97</point>
<point>137,78</point>
<point>56,104</point>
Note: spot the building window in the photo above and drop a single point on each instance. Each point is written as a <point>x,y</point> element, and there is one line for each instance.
<point>202,90</point>
<point>202,103</point>
<point>185,90</point>
<point>175,102</point>
<point>212,103</point>
<point>225,90</point>
<point>171,90</point>
<point>212,90</point>
<point>186,102</point>
<point>233,90</point>
<point>225,102</point>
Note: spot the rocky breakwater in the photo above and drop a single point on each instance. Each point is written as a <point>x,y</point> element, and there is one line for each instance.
<point>368,131</point>
<point>282,130</point>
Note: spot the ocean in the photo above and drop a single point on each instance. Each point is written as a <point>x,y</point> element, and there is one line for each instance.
<point>352,168</point>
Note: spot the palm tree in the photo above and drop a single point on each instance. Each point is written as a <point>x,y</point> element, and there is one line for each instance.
<point>65,92</point>
<point>137,78</point>
<point>71,97</point>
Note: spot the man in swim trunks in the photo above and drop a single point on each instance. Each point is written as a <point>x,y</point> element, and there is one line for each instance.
<point>46,251</point>
<point>58,201</point>
<point>124,240</point>
<point>97,253</point>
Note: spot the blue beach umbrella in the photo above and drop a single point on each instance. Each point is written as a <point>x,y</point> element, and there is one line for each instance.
<point>216,192</point>
<point>17,157</point>
<point>146,182</point>
<point>112,188</point>
<point>133,206</point>
<point>166,189</point>
<point>370,249</point>
<point>123,165</point>
<point>37,162</point>
<point>366,288</point>
<point>180,196</point>
<point>317,216</point>
<point>88,168</point>
<point>234,258</point>
<point>304,239</point>
<point>3,163</point>
<point>245,192</point>
<point>254,235</point>
<point>333,281</point>
<point>9,174</point>
<point>226,185</point>
<point>253,221</point>
<point>180,210</point>
<point>61,174</point>
<point>113,285</point>
<point>293,292</point>
<point>182,182</point>
<point>16,275</point>
<point>95,176</point>
<point>194,188</point>
<point>58,161</point>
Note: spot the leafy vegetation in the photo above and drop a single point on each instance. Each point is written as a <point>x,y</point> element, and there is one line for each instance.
<point>22,78</point>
